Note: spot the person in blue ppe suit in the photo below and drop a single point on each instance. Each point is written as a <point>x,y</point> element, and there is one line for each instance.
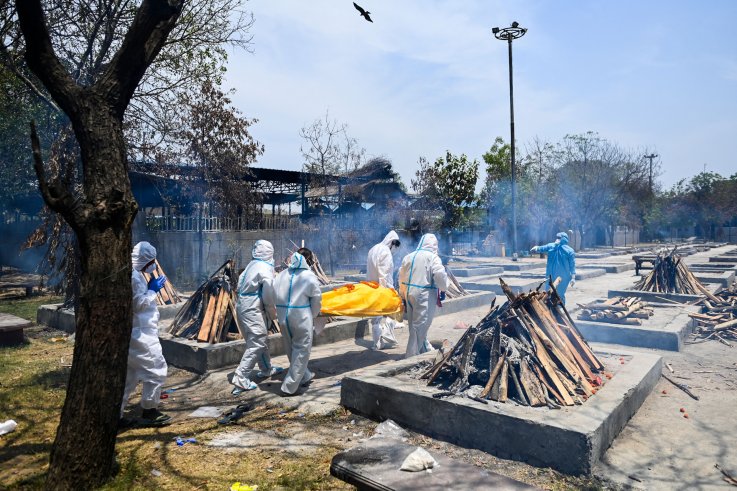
<point>422,281</point>
<point>254,316</point>
<point>146,362</point>
<point>561,263</point>
<point>296,294</point>
<point>380,268</point>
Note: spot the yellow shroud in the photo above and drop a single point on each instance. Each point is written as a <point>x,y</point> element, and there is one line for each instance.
<point>364,299</point>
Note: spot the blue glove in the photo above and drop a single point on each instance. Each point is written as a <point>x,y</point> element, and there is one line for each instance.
<point>442,295</point>
<point>156,284</point>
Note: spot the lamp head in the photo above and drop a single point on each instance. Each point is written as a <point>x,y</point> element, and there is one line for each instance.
<point>515,24</point>
<point>494,30</point>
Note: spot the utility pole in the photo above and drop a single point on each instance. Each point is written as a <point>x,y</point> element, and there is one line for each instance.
<point>650,181</point>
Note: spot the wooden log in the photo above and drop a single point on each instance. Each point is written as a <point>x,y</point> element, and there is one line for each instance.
<point>516,383</point>
<point>493,375</point>
<point>531,385</point>
<point>206,325</point>
<point>549,370</point>
<point>503,381</point>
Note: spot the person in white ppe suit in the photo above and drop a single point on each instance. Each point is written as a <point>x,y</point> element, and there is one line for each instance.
<point>422,280</point>
<point>380,268</point>
<point>146,362</point>
<point>254,316</point>
<point>296,294</point>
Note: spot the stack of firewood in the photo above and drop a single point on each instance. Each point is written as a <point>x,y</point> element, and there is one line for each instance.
<point>209,315</point>
<point>167,295</point>
<point>455,289</point>
<point>312,261</point>
<point>617,310</point>
<point>527,350</point>
<point>718,320</point>
<point>671,275</point>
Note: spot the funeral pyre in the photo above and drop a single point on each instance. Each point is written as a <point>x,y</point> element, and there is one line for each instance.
<point>671,275</point>
<point>718,319</point>
<point>617,310</point>
<point>455,289</point>
<point>527,350</point>
<point>209,315</point>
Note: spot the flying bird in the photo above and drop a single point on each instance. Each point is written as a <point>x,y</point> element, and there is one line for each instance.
<point>364,13</point>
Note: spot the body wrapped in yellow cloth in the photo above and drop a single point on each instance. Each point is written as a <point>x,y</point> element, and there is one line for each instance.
<point>364,299</point>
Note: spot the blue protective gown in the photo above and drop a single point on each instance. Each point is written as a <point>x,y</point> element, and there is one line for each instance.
<point>561,262</point>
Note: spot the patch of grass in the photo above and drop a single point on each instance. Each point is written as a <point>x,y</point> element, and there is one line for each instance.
<point>26,308</point>
<point>32,390</point>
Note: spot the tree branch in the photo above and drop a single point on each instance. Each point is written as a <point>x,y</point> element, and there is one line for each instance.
<point>153,22</point>
<point>41,58</point>
<point>56,196</point>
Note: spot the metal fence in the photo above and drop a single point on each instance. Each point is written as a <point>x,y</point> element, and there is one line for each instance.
<point>219,224</point>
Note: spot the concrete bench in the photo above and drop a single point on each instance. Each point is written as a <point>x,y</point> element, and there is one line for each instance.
<point>11,329</point>
<point>375,463</point>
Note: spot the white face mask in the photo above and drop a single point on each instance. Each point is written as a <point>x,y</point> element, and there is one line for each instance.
<point>150,268</point>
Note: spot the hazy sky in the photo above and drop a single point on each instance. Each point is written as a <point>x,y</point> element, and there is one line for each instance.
<point>428,76</point>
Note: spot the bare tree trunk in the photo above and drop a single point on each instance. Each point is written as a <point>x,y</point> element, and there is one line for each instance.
<point>101,215</point>
<point>83,453</point>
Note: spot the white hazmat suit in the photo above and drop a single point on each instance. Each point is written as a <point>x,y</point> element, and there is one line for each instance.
<point>254,315</point>
<point>296,294</point>
<point>146,362</point>
<point>380,268</point>
<point>421,275</point>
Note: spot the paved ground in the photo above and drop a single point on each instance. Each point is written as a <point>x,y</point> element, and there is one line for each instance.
<point>659,448</point>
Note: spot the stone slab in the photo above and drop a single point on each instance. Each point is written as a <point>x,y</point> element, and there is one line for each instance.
<point>52,315</point>
<point>570,440</point>
<point>721,278</point>
<point>519,266</point>
<point>202,357</point>
<point>517,284</point>
<point>589,273</point>
<point>665,330</point>
<point>480,271</point>
<point>655,297</point>
<point>715,266</point>
<point>592,255</point>
<point>610,268</point>
<point>11,329</point>
<point>374,465</point>
<point>723,259</point>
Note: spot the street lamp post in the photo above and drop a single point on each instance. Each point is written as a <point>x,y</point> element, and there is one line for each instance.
<point>509,34</point>
<point>650,181</point>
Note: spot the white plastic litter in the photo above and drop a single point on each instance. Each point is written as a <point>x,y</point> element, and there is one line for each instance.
<point>419,460</point>
<point>8,426</point>
<point>390,429</point>
<point>206,412</point>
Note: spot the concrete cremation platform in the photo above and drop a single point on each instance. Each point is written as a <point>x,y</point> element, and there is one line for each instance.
<point>53,315</point>
<point>723,259</point>
<point>201,357</point>
<point>477,271</point>
<point>570,440</point>
<point>374,465</point>
<point>721,278</point>
<point>665,330</point>
<point>609,268</point>
<point>655,297</point>
<point>516,283</point>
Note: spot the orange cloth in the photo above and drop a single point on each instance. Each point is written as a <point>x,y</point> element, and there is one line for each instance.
<point>364,299</point>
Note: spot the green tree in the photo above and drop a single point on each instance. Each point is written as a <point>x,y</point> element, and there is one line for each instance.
<point>448,185</point>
